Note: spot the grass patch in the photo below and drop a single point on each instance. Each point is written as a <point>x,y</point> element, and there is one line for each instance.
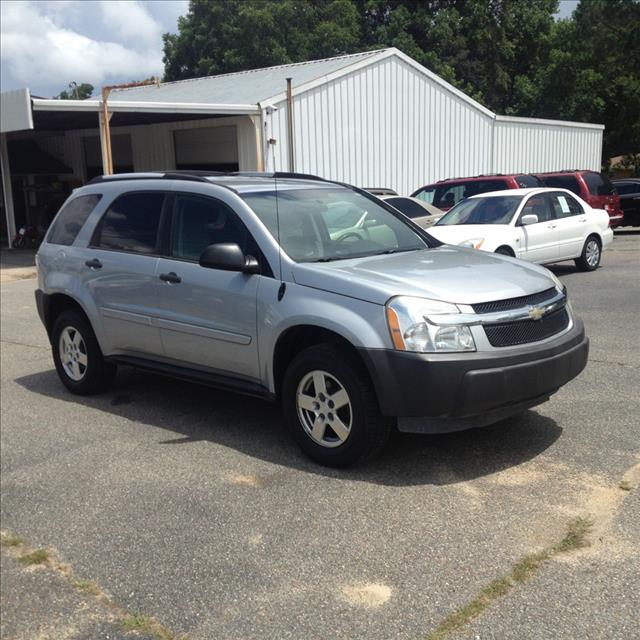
<point>39,556</point>
<point>150,626</point>
<point>625,485</point>
<point>86,586</point>
<point>575,538</point>
<point>523,569</point>
<point>9,540</point>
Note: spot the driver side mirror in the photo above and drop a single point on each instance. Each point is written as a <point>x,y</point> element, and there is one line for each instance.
<point>530,218</point>
<point>228,256</point>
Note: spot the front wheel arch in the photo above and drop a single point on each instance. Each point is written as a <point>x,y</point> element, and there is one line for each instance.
<point>505,250</point>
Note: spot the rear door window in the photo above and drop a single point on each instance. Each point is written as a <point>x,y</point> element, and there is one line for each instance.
<point>71,219</point>
<point>563,205</point>
<point>132,224</point>
<point>563,182</point>
<point>597,184</point>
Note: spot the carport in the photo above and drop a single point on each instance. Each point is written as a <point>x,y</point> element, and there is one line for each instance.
<point>50,147</point>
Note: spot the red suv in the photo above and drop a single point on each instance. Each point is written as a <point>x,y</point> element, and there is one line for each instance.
<point>445,193</point>
<point>592,187</point>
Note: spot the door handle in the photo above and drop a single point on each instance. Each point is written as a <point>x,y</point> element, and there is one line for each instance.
<point>583,219</point>
<point>94,264</point>
<point>171,277</point>
<point>551,226</point>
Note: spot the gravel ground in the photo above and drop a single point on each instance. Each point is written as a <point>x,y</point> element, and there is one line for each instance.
<point>192,506</point>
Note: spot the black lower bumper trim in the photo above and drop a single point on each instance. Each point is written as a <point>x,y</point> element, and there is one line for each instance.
<point>463,385</point>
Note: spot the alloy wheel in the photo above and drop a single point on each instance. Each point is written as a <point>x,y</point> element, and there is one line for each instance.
<point>324,409</point>
<point>73,353</point>
<point>592,253</point>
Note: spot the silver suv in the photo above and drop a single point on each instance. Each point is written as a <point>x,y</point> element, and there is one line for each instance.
<point>305,291</point>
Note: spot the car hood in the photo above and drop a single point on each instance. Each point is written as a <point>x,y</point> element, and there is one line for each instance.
<point>451,274</point>
<point>457,233</point>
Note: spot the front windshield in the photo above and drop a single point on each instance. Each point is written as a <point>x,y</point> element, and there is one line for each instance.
<point>331,223</point>
<point>491,210</point>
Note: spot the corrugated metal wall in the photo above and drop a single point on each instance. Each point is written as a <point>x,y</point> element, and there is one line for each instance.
<point>389,125</point>
<point>537,147</point>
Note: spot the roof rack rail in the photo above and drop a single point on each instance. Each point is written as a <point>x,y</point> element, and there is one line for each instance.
<point>274,174</point>
<point>200,175</point>
<point>164,175</point>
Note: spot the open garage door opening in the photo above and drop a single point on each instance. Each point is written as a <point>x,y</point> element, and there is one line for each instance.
<point>211,148</point>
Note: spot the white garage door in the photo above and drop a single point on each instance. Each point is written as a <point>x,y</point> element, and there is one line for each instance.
<point>214,148</point>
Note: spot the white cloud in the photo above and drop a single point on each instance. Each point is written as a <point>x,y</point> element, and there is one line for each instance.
<point>45,45</point>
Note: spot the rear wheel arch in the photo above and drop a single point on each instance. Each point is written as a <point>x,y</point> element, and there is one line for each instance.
<point>57,303</point>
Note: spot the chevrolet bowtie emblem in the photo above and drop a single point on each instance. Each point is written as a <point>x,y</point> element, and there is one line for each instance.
<point>535,313</point>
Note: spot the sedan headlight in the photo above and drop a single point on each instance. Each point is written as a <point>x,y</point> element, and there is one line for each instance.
<point>473,243</point>
<point>413,326</point>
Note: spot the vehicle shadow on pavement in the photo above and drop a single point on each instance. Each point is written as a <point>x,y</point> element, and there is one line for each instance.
<point>192,413</point>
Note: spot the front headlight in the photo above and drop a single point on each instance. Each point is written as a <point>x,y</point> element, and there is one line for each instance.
<point>474,243</point>
<point>559,286</point>
<point>412,328</point>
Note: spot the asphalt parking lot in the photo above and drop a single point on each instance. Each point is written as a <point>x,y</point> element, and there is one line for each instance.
<point>190,508</point>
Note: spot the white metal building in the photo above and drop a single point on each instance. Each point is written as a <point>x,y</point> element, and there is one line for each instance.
<point>374,119</point>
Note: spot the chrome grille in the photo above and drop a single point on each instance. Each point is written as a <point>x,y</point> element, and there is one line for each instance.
<point>509,334</point>
<point>515,303</point>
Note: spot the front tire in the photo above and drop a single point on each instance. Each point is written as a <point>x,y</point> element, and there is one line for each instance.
<point>77,356</point>
<point>331,408</point>
<point>505,251</point>
<point>589,259</point>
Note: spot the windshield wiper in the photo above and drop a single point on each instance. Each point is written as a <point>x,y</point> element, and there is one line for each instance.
<point>387,252</point>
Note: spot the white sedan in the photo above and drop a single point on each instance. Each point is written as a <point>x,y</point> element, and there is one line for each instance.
<point>538,225</point>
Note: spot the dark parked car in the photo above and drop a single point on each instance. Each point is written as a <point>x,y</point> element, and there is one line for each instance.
<point>629,191</point>
<point>594,188</point>
<point>444,194</point>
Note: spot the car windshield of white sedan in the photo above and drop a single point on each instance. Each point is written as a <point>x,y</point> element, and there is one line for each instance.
<point>325,224</point>
<point>492,210</point>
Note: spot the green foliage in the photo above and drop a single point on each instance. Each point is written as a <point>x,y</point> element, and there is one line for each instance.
<point>76,92</point>
<point>221,36</point>
<point>511,55</point>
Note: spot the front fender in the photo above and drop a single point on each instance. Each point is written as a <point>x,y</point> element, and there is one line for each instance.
<point>361,323</point>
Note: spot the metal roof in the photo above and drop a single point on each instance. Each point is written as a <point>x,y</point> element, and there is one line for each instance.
<point>241,88</point>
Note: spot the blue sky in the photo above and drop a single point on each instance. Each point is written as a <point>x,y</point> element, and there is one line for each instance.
<point>566,8</point>
<point>45,44</point>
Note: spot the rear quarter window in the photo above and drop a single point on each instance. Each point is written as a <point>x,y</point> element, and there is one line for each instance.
<point>71,219</point>
<point>598,185</point>
<point>563,182</point>
<point>410,208</point>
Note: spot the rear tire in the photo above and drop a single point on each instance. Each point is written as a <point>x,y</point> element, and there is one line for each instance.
<point>589,259</point>
<point>505,251</point>
<point>77,356</point>
<point>331,408</point>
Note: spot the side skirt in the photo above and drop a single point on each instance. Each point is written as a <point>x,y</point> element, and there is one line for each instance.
<point>207,378</point>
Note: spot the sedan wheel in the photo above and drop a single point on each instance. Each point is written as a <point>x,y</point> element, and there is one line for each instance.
<point>589,259</point>
<point>592,253</point>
